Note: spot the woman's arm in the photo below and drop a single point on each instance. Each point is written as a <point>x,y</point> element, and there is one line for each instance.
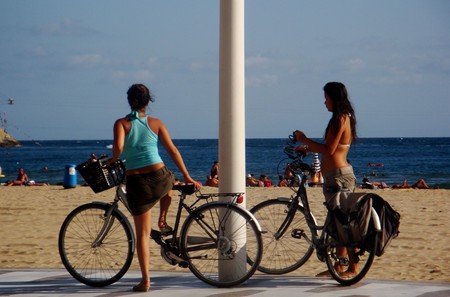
<point>172,150</point>
<point>119,140</point>
<point>331,142</point>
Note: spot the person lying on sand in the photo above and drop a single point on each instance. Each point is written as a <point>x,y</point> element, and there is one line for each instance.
<point>420,184</point>
<point>22,180</point>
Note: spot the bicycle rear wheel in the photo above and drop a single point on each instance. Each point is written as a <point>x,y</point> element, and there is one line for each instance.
<point>96,263</point>
<point>363,256</point>
<point>286,253</point>
<point>216,239</point>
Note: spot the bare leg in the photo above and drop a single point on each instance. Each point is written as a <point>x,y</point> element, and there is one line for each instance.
<point>143,225</point>
<point>352,267</point>
<point>164,204</point>
<point>421,184</point>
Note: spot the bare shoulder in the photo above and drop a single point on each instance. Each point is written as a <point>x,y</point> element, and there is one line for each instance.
<point>345,118</point>
<point>156,125</point>
<point>155,122</point>
<point>122,121</point>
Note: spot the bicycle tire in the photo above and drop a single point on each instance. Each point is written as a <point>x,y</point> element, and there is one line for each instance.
<point>287,253</point>
<point>364,255</point>
<point>101,265</point>
<point>216,250</point>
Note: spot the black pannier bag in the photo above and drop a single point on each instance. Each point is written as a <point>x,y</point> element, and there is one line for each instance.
<point>390,223</point>
<point>350,221</point>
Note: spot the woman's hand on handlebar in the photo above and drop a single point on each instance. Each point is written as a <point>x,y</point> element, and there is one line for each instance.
<point>299,136</point>
<point>302,149</point>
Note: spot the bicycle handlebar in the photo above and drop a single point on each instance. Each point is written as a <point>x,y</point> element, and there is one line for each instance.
<point>297,164</point>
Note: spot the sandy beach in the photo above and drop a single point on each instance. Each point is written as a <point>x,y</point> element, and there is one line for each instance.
<point>30,218</point>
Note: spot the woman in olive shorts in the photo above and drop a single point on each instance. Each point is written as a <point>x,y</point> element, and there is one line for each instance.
<point>339,134</point>
<point>148,179</point>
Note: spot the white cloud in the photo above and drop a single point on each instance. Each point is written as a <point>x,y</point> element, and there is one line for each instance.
<point>66,27</point>
<point>143,75</point>
<point>88,60</point>
<point>257,61</point>
<point>355,65</point>
<point>260,80</point>
<point>140,75</point>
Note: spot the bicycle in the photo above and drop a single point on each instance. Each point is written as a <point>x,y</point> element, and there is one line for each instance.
<point>96,241</point>
<point>291,232</point>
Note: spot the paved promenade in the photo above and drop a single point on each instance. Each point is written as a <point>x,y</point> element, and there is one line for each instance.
<point>57,282</point>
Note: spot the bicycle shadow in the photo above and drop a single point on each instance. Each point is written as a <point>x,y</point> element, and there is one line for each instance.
<point>60,283</point>
<point>64,284</point>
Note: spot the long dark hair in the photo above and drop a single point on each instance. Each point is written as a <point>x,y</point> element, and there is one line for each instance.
<point>337,92</point>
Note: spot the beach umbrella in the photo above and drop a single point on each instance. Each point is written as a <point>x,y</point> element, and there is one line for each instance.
<point>316,162</point>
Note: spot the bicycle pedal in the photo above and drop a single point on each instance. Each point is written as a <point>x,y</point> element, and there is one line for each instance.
<point>183,264</point>
<point>155,234</point>
<point>297,233</point>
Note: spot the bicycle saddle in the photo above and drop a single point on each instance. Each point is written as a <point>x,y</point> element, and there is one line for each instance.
<point>187,189</point>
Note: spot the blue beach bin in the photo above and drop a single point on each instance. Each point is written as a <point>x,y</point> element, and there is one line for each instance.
<point>70,176</point>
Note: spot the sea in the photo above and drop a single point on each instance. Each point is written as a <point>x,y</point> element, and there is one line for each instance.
<point>388,160</point>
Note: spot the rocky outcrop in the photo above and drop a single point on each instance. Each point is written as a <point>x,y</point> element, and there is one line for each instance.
<point>7,140</point>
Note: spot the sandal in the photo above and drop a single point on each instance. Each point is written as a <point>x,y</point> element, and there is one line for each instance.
<point>164,228</point>
<point>143,286</point>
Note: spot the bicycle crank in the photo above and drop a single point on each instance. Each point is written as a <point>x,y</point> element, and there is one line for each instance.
<point>173,259</point>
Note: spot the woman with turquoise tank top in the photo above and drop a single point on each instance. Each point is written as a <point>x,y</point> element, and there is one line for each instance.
<point>339,134</point>
<point>148,179</point>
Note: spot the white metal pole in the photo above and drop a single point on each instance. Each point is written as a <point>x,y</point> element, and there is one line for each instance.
<point>232,115</point>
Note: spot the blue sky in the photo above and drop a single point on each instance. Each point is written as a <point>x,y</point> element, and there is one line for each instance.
<point>68,65</point>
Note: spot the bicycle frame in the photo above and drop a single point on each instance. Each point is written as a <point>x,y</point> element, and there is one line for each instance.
<point>300,200</point>
<point>171,244</point>
<point>95,236</point>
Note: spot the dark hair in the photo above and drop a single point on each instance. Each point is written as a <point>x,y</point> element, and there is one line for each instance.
<point>139,96</point>
<point>338,94</point>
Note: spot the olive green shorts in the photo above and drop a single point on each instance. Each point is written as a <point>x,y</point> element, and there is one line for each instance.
<point>145,190</point>
<point>337,185</point>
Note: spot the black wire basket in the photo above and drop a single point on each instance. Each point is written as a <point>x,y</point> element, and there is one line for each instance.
<point>100,176</point>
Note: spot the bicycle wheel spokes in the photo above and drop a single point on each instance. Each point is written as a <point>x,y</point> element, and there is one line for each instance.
<point>216,239</point>
<point>90,262</point>
<point>344,257</point>
<point>286,253</point>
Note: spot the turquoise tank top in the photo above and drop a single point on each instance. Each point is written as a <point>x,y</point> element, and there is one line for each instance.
<point>141,145</point>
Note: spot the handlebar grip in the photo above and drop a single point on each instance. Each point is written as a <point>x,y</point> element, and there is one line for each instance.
<point>292,137</point>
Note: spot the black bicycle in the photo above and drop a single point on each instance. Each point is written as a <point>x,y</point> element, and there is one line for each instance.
<point>291,232</point>
<point>220,242</point>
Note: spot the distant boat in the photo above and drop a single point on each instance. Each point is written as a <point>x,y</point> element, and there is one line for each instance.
<point>109,146</point>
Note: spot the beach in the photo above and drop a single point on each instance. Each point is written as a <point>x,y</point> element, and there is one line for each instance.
<point>30,219</point>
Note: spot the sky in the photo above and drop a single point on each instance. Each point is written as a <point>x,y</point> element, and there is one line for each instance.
<point>68,65</point>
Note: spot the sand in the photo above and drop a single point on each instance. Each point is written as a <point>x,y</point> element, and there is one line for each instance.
<point>30,218</point>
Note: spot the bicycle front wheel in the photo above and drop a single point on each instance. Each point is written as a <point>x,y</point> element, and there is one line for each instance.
<point>93,258</point>
<point>361,256</point>
<point>217,239</point>
<point>282,253</point>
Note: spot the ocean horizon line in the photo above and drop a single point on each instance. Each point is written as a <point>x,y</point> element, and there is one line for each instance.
<point>247,138</point>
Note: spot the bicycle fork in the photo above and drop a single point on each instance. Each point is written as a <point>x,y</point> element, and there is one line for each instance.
<point>107,224</point>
